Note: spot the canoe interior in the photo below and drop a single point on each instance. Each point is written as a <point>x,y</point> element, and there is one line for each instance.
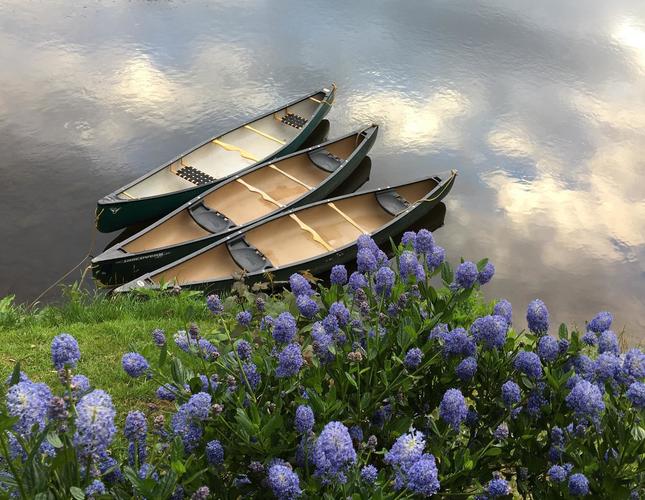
<point>228,153</point>
<point>304,235</point>
<point>255,195</point>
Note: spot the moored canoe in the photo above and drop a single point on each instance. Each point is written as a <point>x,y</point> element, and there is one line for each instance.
<point>271,187</point>
<point>277,133</point>
<point>312,238</point>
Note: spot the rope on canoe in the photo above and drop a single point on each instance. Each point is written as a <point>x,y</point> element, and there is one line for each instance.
<point>87,256</point>
<point>441,191</point>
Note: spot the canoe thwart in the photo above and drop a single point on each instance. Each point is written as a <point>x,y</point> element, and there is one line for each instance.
<point>289,176</point>
<point>247,256</point>
<point>392,202</point>
<point>348,218</point>
<point>215,222</point>
<point>230,147</point>
<point>314,234</point>
<point>325,160</point>
<point>264,195</point>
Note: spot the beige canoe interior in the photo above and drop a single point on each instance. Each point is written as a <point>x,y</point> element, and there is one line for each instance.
<point>297,237</point>
<point>230,152</point>
<point>254,195</point>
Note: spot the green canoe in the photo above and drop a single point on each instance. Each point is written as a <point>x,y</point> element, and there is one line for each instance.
<point>277,133</point>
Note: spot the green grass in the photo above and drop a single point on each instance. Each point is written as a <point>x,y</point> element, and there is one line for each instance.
<point>105,328</point>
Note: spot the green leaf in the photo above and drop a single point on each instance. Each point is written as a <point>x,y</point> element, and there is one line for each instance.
<point>493,452</point>
<point>481,264</point>
<point>446,273</point>
<point>351,379</point>
<point>178,466</point>
<point>54,439</point>
<point>15,375</point>
<point>163,355</point>
<point>563,332</point>
<point>77,493</point>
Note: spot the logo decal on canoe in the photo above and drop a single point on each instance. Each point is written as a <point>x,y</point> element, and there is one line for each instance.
<point>114,209</point>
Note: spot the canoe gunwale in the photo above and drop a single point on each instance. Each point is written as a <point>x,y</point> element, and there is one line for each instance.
<point>199,198</point>
<point>112,200</point>
<point>443,188</point>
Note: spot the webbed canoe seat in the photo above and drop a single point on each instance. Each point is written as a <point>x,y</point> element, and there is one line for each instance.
<point>247,256</point>
<point>294,120</point>
<point>392,202</point>
<point>325,160</point>
<point>196,176</point>
<point>211,220</point>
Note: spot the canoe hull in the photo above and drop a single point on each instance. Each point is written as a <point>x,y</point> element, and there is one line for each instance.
<point>318,265</point>
<point>113,213</point>
<point>117,267</point>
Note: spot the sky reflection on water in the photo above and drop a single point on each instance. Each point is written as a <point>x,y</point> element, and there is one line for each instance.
<point>540,105</point>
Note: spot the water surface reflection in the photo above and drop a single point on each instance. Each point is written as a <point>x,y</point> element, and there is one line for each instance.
<point>540,105</point>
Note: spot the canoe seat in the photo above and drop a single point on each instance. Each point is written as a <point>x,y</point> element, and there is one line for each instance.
<point>325,160</point>
<point>247,256</point>
<point>294,120</point>
<point>391,201</point>
<point>197,177</point>
<point>215,222</point>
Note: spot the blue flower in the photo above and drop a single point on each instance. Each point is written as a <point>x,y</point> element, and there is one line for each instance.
<point>457,343</point>
<point>413,358</point>
<point>634,364</point>
<point>590,338</point>
<point>244,349</point>
<point>304,420</point>
<point>201,493</point>
<point>563,345</point>
<point>501,432</point>
<point>452,408</point>
<point>439,331</point>
<point>369,473</point>
<point>159,337</point>
<point>95,489</point>
<point>498,487</point>
<point>636,394</point>
<point>578,485</point>
<point>356,433</point>
<point>289,361</point>
<point>408,238</point>
<point>80,385</point>
<point>548,349</point>
<point>307,306</point>
<point>409,266</point>
<point>214,452</point>
<point>244,318</point>
<point>65,351</point>
<point>341,313</point>
<point>607,342</point>
<point>134,364</point>
<point>537,317</point>
<point>585,399</point>
<point>511,393</point>
<point>322,341</point>
<point>486,274</point>
<point>435,258</point>
<point>557,473</point>
<point>601,322</point>
<point>166,393</point>
<point>384,281</point>
<point>136,427</point>
<point>333,452</point>
<point>466,274</point>
<point>365,261</point>
<point>214,304</point>
<point>557,436</point>
<point>424,242</point>
<point>406,450</point>
<point>94,424</point>
<point>607,366</point>
<point>423,477</point>
<point>300,285</point>
<point>467,368</point>
<point>186,422</point>
<point>284,482</point>
<point>29,402</point>
<point>490,331</point>
<point>528,363</point>
<point>357,281</point>
<point>338,275</point>
<point>252,375</point>
<point>504,309</point>
<point>284,327</point>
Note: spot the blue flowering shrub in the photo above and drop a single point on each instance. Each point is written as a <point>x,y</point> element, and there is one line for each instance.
<point>389,383</point>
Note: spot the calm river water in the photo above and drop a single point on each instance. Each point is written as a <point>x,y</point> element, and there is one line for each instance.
<point>540,105</point>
